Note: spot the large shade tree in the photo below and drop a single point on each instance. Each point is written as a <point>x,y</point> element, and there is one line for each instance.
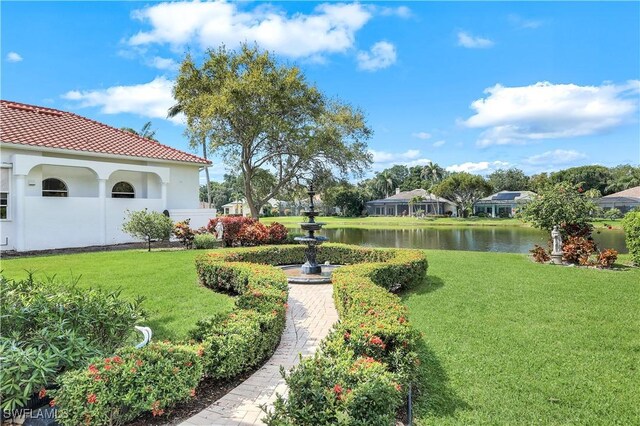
<point>464,189</point>
<point>261,116</point>
<point>509,180</point>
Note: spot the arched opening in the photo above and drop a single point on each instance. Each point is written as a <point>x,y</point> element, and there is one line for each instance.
<point>123,190</point>
<point>53,187</point>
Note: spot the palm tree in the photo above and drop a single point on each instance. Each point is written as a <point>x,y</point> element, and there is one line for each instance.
<point>433,173</point>
<point>175,110</point>
<point>385,181</point>
<point>146,131</point>
<point>413,201</point>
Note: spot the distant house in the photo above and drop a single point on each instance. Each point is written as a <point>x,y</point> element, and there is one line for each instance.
<point>503,203</point>
<point>67,181</point>
<point>241,208</point>
<point>400,204</point>
<point>624,200</point>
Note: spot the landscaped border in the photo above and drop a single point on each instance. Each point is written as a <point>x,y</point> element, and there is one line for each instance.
<point>362,371</point>
<point>373,342</point>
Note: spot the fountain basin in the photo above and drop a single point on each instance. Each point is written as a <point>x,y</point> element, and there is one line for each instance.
<point>311,226</point>
<point>295,275</point>
<point>318,240</point>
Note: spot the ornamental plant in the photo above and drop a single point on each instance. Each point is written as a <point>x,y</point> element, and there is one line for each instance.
<point>50,327</point>
<point>578,250</point>
<point>232,227</point>
<point>253,234</point>
<point>539,254</point>
<point>183,232</point>
<point>117,389</point>
<point>631,225</point>
<point>147,226</point>
<point>607,258</point>
<point>277,233</point>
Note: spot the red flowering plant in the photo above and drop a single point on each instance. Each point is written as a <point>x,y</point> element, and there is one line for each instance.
<point>277,233</point>
<point>253,234</point>
<point>606,258</point>
<point>539,254</point>
<point>232,226</point>
<point>183,232</point>
<point>117,389</point>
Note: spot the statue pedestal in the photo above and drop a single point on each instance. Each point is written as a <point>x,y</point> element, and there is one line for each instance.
<point>556,258</point>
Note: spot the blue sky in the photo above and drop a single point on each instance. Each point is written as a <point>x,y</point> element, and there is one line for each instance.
<point>473,86</point>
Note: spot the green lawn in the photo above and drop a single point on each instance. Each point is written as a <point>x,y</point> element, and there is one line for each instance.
<point>509,341</point>
<point>386,222</point>
<point>167,280</point>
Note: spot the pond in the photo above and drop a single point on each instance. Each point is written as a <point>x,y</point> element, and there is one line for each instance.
<point>498,239</point>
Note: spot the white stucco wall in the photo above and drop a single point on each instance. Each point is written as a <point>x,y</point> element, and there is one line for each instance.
<point>78,220</point>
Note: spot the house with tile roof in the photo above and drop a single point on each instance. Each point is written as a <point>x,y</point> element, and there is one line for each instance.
<point>411,203</point>
<point>624,200</point>
<point>503,203</point>
<point>67,181</point>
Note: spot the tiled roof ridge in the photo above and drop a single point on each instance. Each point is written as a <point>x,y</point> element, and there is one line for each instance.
<point>39,109</point>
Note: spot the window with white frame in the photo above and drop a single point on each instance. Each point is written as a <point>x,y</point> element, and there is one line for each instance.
<point>53,187</point>
<point>5,190</point>
<point>123,190</point>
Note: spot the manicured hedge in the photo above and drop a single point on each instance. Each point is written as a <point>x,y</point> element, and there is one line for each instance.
<point>118,389</point>
<point>361,372</point>
<point>631,224</point>
<point>373,338</point>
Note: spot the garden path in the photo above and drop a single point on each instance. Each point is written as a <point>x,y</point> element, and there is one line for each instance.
<point>309,318</point>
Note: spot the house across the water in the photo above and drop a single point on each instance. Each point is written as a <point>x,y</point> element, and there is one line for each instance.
<point>411,203</point>
<point>624,200</point>
<point>503,203</point>
<point>67,181</point>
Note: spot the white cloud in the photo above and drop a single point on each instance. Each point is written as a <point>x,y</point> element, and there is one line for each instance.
<point>409,158</point>
<point>465,39</point>
<point>330,28</point>
<point>400,11</point>
<point>438,144</point>
<point>555,157</point>
<point>381,55</point>
<point>14,57</point>
<point>163,63</point>
<point>520,22</point>
<point>517,115</point>
<point>482,167</point>
<point>421,135</point>
<point>151,99</point>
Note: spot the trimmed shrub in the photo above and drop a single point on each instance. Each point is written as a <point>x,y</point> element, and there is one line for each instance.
<point>631,225</point>
<point>51,327</point>
<point>373,335</point>
<point>118,389</point>
<point>253,234</point>
<point>205,241</point>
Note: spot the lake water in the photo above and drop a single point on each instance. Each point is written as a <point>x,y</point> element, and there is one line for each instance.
<point>498,239</point>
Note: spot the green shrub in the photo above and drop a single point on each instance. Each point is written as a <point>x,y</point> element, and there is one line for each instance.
<point>205,241</point>
<point>631,225</point>
<point>373,330</point>
<point>612,214</point>
<point>114,390</point>
<point>148,226</point>
<point>338,391</point>
<point>50,327</point>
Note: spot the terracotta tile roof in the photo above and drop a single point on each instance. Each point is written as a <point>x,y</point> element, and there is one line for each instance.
<point>37,126</point>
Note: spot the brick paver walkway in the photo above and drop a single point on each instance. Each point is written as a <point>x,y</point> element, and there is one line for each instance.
<point>310,317</point>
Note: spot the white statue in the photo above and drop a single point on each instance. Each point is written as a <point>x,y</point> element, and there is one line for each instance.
<point>556,238</point>
<point>219,230</point>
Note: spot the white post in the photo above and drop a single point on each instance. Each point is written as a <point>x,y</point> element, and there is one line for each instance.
<point>164,196</point>
<point>20,186</point>
<point>102,203</point>
<point>493,210</point>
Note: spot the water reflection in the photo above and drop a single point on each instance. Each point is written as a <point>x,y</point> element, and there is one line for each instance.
<point>498,239</point>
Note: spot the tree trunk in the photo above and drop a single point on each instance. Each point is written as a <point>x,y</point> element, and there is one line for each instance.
<point>149,243</point>
<point>206,171</point>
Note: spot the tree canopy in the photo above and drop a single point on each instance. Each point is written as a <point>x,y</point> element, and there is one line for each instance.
<point>509,180</point>
<point>262,117</point>
<point>464,189</point>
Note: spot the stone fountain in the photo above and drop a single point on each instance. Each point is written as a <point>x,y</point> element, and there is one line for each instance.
<point>310,272</point>
<point>311,226</point>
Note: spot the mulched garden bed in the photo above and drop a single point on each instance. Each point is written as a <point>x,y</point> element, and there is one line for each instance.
<point>113,247</point>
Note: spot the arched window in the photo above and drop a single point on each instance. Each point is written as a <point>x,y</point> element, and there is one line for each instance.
<point>52,187</point>
<point>123,190</point>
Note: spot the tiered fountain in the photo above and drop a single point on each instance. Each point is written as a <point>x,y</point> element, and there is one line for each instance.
<point>310,271</point>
